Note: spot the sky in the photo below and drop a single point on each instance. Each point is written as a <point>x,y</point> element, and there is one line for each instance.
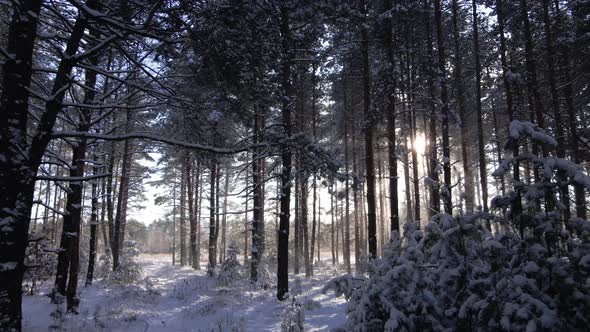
<point>151,211</point>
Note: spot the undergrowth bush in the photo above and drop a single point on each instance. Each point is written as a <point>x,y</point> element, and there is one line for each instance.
<point>530,274</point>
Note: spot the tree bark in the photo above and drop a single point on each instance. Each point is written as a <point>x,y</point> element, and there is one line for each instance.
<point>217,215</point>
<point>69,255</point>
<point>297,223</point>
<point>93,229</point>
<point>347,183</point>
<point>558,127</point>
<point>123,194</point>
<point>89,98</point>
<point>224,218</point>
<point>444,97</point>
<point>369,159</point>
<point>434,207</point>
<point>257,200</point>
<point>315,196</point>
<point>468,177</point>
<point>212,224</point>
<point>579,191</point>
<point>391,127</point>
<point>184,174</point>
<point>516,208</point>
<point>198,214</point>
<point>192,174</point>
<point>283,247</point>
<point>304,223</point>
<point>483,176</point>
<point>333,225</point>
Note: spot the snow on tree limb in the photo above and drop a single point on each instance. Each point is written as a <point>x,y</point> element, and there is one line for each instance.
<point>157,138</point>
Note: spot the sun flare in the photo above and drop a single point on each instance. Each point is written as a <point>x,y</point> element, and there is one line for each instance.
<point>420,143</point>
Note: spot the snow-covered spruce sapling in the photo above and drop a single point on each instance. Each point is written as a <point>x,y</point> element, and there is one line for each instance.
<point>129,271</point>
<point>294,317</point>
<point>230,270</point>
<point>105,266</point>
<point>40,263</point>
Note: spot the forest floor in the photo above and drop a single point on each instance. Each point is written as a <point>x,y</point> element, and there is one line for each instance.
<point>171,298</point>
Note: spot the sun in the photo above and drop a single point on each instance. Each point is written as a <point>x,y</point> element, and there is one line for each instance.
<point>420,143</point>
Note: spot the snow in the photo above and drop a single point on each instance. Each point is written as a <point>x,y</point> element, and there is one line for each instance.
<point>520,129</point>
<point>171,298</point>
<point>8,266</point>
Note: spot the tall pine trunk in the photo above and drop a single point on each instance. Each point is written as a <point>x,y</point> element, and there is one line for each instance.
<point>183,186</point>
<point>199,199</point>
<point>516,208</point>
<point>89,98</point>
<point>558,127</point>
<point>346,186</point>
<point>304,223</point>
<point>123,194</point>
<point>224,218</point>
<point>483,176</point>
<point>369,154</point>
<point>212,225</point>
<point>468,177</point>
<point>283,247</point>
<point>429,66</point>
<point>257,201</point>
<point>445,113</point>
<point>391,123</point>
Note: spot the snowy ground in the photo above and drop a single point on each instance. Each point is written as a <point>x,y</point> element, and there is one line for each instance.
<point>181,299</point>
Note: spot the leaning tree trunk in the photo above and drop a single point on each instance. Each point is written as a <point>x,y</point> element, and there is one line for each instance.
<point>16,170</point>
<point>68,256</point>
<point>17,185</point>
